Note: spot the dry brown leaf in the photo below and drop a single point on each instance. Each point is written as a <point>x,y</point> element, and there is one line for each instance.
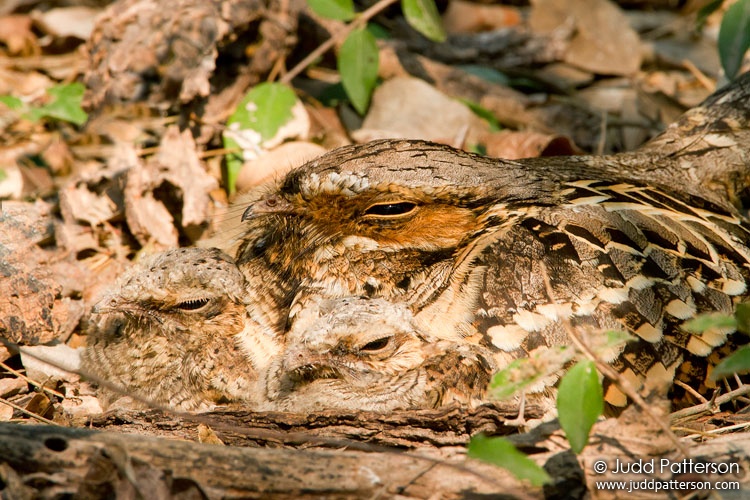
<point>33,307</point>
<point>41,405</point>
<point>172,189</point>
<point>326,127</point>
<point>178,163</point>
<point>37,182</point>
<point>470,17</point>
<point>6,412</point>
<point>80,204</point>
<point>23,83</point>
<point>77,21</point>
<point>11,386</point>
<point>58,157</point>
<point>275,163</point>
<point>51,363</point>
<point>148,218</point>
<point>80,400</point>
<point>406,107</point>
<point>602,42</point>
<point>139,54</point>
<point>207,435</point>
<point>11,182</point>
<point>16,34</point>
<point>514,145</point>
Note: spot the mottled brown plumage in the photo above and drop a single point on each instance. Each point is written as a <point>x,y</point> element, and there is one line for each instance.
<point>181,328</point>
<point>464,242</point>
<point>368,354</point>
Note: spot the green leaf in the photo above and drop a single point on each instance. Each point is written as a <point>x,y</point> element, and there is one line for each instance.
<point>501,452</point>
<point>3,175</point>
<point>342,10</point>
<point>524,372</point>
<point>580,401</point>
<point>709,321</point>
<point>423,16</point>
<point>734,37</point>
<point>378,31</point>
<point>256,119</point>
<point>65,104</point>
<point>739,361</point>
<point>485,73</point>
<point>705,11</point>
<point>742,315</point>
<point>264,109</point>
<point>13,103</point>
<point>484,114</point>
<point>358,66</point>
<point>617,337</point>
<point>233,162</point>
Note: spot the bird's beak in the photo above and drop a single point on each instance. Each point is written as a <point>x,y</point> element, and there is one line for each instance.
<point>268,205</point>
<point>105,305</point>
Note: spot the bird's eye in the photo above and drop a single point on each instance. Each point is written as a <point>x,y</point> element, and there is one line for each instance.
<point>376,345</point>
<point>192,305</point>
<point>391,209</point>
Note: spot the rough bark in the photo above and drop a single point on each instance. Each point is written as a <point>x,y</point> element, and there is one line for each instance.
<point>88,464</point>
<point>434,429</point>
<point>45,461</point>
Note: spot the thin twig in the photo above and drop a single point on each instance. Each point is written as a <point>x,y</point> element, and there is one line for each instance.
<point>32,382</point>
<point>709,84</point>
<point>712,433</point>
<point>710,405</point>
<point>602,134</point>
<point>611,374</point>
<point>692,391</point>
<point>27,412</point>
<point>360,20</point>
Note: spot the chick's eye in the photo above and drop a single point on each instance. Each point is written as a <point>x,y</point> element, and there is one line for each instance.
<point>376,345</point>
<point>385,209</point>
<point>192,305</point>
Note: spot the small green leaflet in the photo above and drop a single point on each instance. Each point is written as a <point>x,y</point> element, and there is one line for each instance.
<point>524,372</point>
<point>264,109</point>
<point>734,37</point>
<point>738,361</point>
<point>705,11</point>
<point>708,321</point>
<point>484,114</point>
<point>341,10</point>
<point>65,105</point>
<point>485,73</point>
<point>742,315</point>
<point>423,16</point>
<point>3,175</point>
<point>234,161</point>
<point>378,31</point>
<point>358,66</point>
<point>257,118</point>
<point>13,103</point>
<point>580,401</point>
<point>501,452</point>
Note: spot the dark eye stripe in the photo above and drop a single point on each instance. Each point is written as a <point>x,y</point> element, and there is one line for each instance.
<point>192,305</point>
<point>376,345</point>
<point>401,208</point>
